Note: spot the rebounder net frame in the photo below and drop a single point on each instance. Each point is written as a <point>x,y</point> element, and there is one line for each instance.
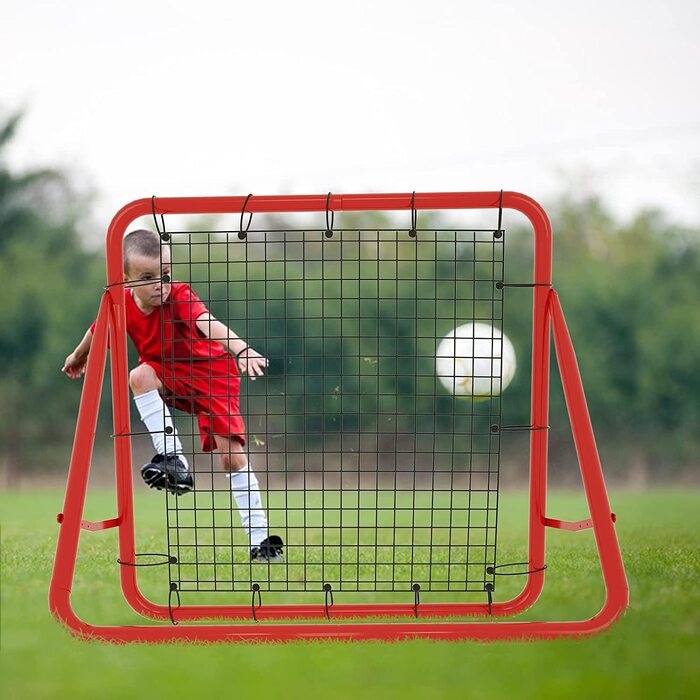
<point>326,566</point>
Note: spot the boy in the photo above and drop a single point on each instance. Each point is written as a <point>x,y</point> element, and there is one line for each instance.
<point>186,361</point>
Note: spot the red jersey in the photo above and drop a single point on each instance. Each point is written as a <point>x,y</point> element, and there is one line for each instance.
<point>170,331</point>
<point>198,375</point>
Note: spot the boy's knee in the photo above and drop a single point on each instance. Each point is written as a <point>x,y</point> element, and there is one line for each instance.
<point>233,461</point>
<point>142,379</point>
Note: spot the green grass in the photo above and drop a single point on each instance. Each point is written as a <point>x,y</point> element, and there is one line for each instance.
<point>651,653</point>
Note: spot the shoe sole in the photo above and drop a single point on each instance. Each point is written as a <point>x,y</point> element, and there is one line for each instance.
<point>180,492</point>
<point>162,478</point>
<point>268,560</point>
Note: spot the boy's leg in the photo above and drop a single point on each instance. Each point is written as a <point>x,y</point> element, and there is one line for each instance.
<point>245,487</point>
<point>154,413</point>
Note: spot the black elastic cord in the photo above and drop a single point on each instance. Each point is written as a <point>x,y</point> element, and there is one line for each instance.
<point>492,569</point>
<point>163,234</point>
<point>413,232</point>
<point>167,430</point>
<point>514,428</point>
<point>329,594</point>
<point>241,232</point>
<point>256,589</point>
<point>168,559</point>
<point>238,354</point>
<point>173,589</point>
<point>416,598</point>
<point>144,283</point>
<point>330,217</point>
<point>501,285</point>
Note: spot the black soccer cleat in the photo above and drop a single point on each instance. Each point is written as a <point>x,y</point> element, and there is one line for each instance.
<point>168,472</point>
<point>270,549</point>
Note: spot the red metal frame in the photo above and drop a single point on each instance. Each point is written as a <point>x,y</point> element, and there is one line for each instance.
<point>547,311</point>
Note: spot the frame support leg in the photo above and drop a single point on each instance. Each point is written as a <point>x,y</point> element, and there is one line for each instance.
<point>591,471</point>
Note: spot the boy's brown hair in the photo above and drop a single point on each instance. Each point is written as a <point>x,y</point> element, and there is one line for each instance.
<point>140,242</point>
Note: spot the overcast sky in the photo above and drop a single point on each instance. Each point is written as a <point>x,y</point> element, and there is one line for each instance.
<point>215,97</point>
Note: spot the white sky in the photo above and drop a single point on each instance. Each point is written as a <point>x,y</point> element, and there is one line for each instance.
<point>214,97</point>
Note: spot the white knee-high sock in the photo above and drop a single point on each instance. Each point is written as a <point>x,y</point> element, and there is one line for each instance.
<point>246,491</point>
<point>156,417</point>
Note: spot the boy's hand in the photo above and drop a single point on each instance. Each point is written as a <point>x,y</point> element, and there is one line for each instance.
<point>252,363</point>
<point>74,366</point>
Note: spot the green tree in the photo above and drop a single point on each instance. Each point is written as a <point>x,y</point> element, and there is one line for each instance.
<point>49,281</point>
<point>630,294</point>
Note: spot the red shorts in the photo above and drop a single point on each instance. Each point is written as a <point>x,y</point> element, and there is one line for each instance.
<point>208,389</point>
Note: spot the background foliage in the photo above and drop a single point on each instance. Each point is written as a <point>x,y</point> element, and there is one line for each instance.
<point>629,291</point>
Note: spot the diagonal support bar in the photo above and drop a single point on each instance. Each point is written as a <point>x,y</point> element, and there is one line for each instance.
<point>591,470</point>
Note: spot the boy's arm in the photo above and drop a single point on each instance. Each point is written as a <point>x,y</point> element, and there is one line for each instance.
<point>217,331</point>
<point>75,363</point>
<point>250,361</point>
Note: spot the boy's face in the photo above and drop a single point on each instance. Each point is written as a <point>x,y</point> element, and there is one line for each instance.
<point>140,270</point>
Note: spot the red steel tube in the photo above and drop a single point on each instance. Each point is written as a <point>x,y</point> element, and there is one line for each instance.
<point>591,470</point>
<point>79,470</point>
<point>113,314</point>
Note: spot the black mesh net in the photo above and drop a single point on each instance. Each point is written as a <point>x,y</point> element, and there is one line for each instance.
<point>372,472</point>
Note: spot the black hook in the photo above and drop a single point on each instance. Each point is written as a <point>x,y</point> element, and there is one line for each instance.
<point>256,589</point>
<point>330,216</point>
<point>489,593</point>
<point>498,233</point>
<point>173,588</point>
<point>164,235</point>
<point>414,217</point>
<point>329,593</point>
<point>241,232</point>
<point>416,598</point>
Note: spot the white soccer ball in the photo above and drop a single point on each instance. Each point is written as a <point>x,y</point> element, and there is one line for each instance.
<point>475,360</point>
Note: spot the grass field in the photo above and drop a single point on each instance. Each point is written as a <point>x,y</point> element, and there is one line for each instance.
<point>653,652</point>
